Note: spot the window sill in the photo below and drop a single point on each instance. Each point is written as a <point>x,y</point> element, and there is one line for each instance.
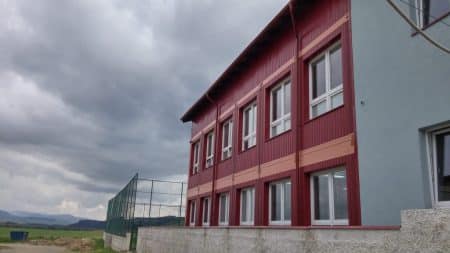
<point>414,33</point>
<point>324,114</point>
<point>279,135</point>
<point>226,159</point>
<point>246,150</point>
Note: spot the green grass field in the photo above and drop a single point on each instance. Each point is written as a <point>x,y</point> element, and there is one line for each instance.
<point>53,234</point>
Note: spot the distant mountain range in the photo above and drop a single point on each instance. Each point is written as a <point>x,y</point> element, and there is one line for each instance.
<point>30,218</point>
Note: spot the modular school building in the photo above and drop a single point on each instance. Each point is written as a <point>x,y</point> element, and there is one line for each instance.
<point>336,114</point>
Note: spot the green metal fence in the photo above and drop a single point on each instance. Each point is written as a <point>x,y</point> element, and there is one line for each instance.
<point>145,202</point>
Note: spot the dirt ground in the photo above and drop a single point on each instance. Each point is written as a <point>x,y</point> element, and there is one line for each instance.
<point>27,248</point>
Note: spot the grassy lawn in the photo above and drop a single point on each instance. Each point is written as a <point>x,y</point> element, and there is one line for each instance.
<point>53,234</point>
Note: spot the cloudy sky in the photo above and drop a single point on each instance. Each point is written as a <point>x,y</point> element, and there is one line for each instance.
<point>91,92</point>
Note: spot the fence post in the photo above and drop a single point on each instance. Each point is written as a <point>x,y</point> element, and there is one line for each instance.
<point>151,196</point>
<point>181,198</point>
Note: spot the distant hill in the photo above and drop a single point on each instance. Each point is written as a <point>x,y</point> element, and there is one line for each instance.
<point>20,217</point>
<point>88,224</point>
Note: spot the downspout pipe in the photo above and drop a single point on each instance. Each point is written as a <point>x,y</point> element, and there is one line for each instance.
<point>297,104</point>
<point>216,136</point>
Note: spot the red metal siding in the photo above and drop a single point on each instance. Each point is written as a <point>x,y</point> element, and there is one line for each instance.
<point>305,133</point>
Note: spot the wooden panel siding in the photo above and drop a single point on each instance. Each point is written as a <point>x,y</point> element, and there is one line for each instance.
<point>310,145</point>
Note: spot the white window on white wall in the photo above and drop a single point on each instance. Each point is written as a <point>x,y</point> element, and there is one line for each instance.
<point>326,81</point>
<point>280,108</point>
<point>209,149</point>
<point>193,213</point>
<point>280,203</point>
<point>249,126</point>
<point>224,209</point>
<point>196,158</point>
<point>227,139</point>
<point>440,164</point>
<point>247,206</point>
<point>329,198</point>
<point>206,211</point>
<point>428,11</point>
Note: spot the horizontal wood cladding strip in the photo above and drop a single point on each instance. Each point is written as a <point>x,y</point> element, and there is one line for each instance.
<point>280,70</point>
<point>246,175</point>
<point>333,149</point>
<point>329,150</point>
<point>198,190</point>
<point>205,188</point>
<point>323,35</point>
<point>224,182</point>
<point>277,166</point>
<point>196,136</point>
<point>251,93</point>
<point>226,112</point>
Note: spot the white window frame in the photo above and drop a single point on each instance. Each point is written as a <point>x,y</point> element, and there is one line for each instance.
<point>196,158</point>
<point>419,13</point>
<point>282,221</point>
<point>252,109</point>
<point>250,208</point>
<point>227,209</point>
<point>193,210</point>
<point>431,146</point>
<point>331,221</point>
<point>227,150</point>
<point>329,93</point>
<point>208,215</point>
<point>209,158</point>
<point>285,117</point>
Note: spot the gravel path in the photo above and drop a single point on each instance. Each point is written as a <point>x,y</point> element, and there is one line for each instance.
<point>26,248</point>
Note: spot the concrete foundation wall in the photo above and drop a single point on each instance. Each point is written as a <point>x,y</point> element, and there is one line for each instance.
<point>422,231</point>
<point>117,243</point>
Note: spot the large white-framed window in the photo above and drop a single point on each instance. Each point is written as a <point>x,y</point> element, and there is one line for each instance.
<point>224,209</point>
<point>280,203</point>
<point>280,108</point>
<point>249,118</point>
<point>206,214</point>
<point>326,88</point>
<point>227,139</point>
<point>196,158</point>
<point>193,213</point>
<point>209,149</point>
<point>439,159</point>
<point>427,11</point>
<point>329,197</point>
<point>247,206</point>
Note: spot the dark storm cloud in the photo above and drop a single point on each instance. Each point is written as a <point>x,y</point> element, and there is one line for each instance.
<point>92,91</point>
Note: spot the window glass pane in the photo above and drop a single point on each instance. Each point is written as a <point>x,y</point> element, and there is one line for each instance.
<point>321,198</point>
<point>192,212</point>
<point>205,210</point>
<point>226,134</point>
<point>277,129</point>
<point>337,100</point>
<point>340,195</point>
<point>318,78</point>
<point>244,205</point>
<point>319,109</point>
<point>287,201</point>
<point>275,202</point>
<point>246,122</point>
<point>287,98</point>
<point>434,9</point>
<point>336,67</point>
<point>254,116</point>
<point>223,200</point>
<point>287,124</point>
<point>443,166</point>
<point>252,204</point>
<point>276,103</point>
